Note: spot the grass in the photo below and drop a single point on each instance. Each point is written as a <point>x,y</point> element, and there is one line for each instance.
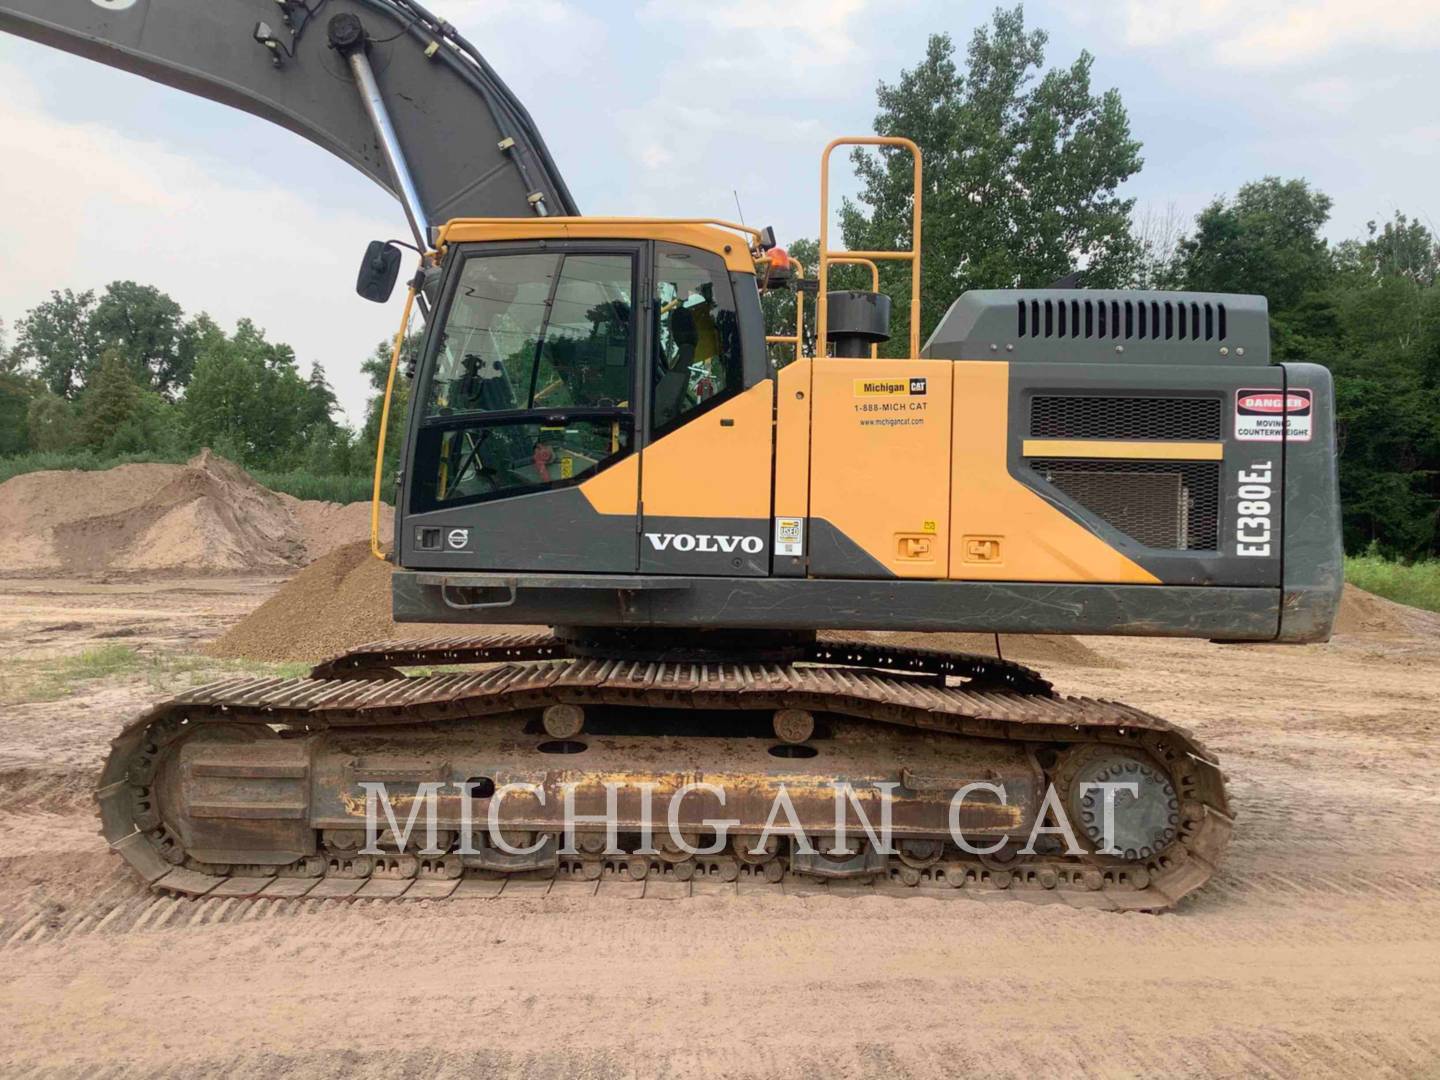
<point>1416,584</point>
<point>308,485</point>
<point>84,460</point>
<point>297,482</point>
<point>51,679</point>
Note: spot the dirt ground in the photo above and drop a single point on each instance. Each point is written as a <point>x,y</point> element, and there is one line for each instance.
<point>1316,951</point>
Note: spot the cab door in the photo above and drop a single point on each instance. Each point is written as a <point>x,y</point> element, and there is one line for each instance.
<point>524,427</point>
<point>707,464</point>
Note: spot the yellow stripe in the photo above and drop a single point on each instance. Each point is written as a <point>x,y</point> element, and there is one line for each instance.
<point>1107,448</point>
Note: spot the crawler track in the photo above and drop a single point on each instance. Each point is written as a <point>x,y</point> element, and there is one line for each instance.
<point>917,701</point>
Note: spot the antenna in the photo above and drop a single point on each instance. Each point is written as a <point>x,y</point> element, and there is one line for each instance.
<point>737,205</point>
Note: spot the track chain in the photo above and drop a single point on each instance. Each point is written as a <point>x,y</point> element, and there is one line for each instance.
<point>877,684</point>
<point>383,659</point>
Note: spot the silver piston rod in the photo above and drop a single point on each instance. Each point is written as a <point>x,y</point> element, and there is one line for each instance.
<point>347,36</point>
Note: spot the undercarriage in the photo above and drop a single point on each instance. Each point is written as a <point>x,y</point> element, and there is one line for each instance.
<point>586,756</point>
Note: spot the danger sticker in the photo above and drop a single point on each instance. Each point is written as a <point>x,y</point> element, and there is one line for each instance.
<point>789,536</point>
<point>1272,415</point>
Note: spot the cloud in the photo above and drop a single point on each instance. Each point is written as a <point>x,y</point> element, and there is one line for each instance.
<point>804,32</point>
<point>506,32</point>
<point>82,205</point>
<point>1240,33</point>
<point>739,101</point>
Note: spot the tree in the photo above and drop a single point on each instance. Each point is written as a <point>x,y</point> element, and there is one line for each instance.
<point>1266,240</point>
<point>1157,243</point>
<point>320,404</point>
<point>55,340</point>
<point>1403,248</point>
<point>1369,309</point>
<point>110,399</point>
<point>247,398</point>
<point>148,329</point>
<point>1021,174</point>
<point>1385,355</point>
<point>52,423</point>
<point>16,393</point>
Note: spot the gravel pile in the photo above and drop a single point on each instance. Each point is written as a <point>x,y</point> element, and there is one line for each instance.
<point>334,604</point>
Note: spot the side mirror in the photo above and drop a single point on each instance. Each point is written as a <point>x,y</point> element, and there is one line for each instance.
<point>378,271</point>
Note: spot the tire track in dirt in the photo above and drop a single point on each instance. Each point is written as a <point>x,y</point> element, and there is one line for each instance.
<point>744,986</point>
<point>1277,1053</point>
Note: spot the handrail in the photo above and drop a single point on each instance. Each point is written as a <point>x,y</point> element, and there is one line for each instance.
<point>385,423</point>
<point>798,338</point>
<point>827,256</point>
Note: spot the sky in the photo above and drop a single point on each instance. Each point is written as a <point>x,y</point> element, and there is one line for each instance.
<point>673,108</point>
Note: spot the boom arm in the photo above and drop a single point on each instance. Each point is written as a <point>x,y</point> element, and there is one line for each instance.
<point>472,149</point>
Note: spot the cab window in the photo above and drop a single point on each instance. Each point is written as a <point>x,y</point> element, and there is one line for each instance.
<point>697,339</point>
<point>538,331</point>
<point>530,381</point>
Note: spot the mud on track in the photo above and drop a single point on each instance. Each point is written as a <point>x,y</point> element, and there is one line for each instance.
<point>1315,952</point>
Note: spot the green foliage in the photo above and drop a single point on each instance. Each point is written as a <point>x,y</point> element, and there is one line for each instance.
<point>118,416</point>
<point>16,393</point>
<point>52,423</point>
<point>109,399</point>
<point>1021,172</point>
<point>1370,311</point>
<point>248,401</point>
<point>80,458</point>
<point>1266,240</point>
<point>53,678</point>
<point>56,342</point>
<point>147,328</point>
<point>327,487</point>
<point>146,378</point>
<point>1416,584</point>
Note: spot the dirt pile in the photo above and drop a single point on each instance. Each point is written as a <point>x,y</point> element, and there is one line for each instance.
<point>335,603</point>
<point>206,516</point>
<point>1364,613</point>
<point>326,526</point>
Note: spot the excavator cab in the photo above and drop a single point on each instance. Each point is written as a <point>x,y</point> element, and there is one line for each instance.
<point>558,363</point>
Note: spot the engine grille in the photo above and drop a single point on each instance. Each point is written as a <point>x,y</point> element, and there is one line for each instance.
<point>1082,416</point>
<point>1122,320</point>
<point>1161,504</point>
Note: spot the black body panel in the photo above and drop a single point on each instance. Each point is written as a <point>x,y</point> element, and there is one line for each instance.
<point>797,603</point>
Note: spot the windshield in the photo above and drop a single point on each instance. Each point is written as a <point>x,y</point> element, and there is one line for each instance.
<point>535,331</point>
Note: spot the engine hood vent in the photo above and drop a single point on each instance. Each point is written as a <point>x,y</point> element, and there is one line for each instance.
<point>1112,326</point>
<point>1121,319</point>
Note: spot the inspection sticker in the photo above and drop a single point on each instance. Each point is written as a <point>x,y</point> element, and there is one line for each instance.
<point>789,536</point>
<point>1272,415</point>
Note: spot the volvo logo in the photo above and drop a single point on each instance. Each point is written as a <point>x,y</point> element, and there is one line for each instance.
<point>457,539</point>
<point>751,545</point>
<point>114,5</point>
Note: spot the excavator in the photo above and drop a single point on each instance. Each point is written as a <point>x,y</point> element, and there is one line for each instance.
<point>603,443</point>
